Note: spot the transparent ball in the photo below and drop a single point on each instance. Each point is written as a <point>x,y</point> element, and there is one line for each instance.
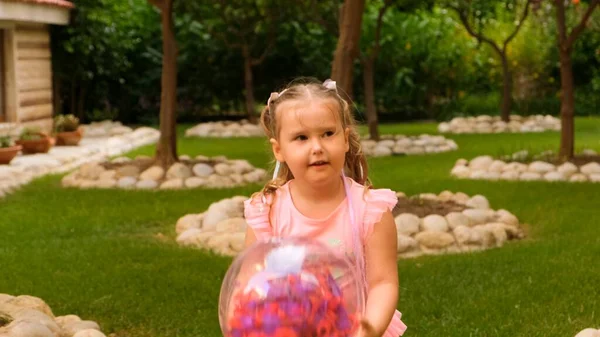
<point>290,287</point>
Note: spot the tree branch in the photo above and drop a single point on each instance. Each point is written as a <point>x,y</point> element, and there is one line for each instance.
<point>261,58</point>
<point>465,21</point>
<point>225,40</point>
<point>375,51</point>
<point>272,36</point>
<point>318,18</point>
<point>581,26</point>
<point>157,3</point>
<point>310,9</point>
<point>225,18</point>
<point>223,36</point>
<point>516,31</point>
<point>382,10</point>
<point>250,22</point>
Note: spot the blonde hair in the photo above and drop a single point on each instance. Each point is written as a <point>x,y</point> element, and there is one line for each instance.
<point>355,165</point>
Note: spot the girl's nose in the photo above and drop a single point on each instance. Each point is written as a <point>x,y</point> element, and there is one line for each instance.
<point>316,145</point>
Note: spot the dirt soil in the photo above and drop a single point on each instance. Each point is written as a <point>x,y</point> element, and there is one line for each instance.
<point>424,207</point>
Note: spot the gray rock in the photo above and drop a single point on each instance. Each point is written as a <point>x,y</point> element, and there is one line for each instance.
<point>434,239</point>
<point>176,183</point>
<point>456,219</point>
<point>478,201</point>
<point>178,171</point>
<point>407,224</point>
<point>541,167</point>
<point>203,170</point>
<point>153,173</point>
<point>146,184</point>
<point>434,223</point>
<point>406,243</point>
<point>194,182</point>
<point>554,176</point>
<point>91,171</point>
<point>231,225</point>
<point>223,169</point>
<point>127,182</point>
<point>590,168</point>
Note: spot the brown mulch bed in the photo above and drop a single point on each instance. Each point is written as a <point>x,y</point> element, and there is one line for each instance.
<point>424,207</point>
<point>578,160</point>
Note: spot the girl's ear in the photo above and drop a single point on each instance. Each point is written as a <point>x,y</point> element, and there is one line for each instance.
<point>347,138</point>
<point>276,150</point>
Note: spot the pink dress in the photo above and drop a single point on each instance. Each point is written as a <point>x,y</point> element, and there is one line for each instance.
<point>281,219</point>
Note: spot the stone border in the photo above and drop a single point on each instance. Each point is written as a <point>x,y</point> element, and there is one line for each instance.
<point>221,228</point>
<point>407,145</point>
<point>31,316</point>
<point>61,159</point>
<point>215,172</point>
<point>225,129</point>
<point>478,227</point>
<point>106,128</point>
<point>589,332</point>
<point>489,124</point>
<point>487,168</point>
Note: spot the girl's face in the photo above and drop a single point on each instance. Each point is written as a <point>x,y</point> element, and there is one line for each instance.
<point>311,140</point>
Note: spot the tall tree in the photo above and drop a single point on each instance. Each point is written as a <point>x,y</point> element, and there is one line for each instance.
<point>97,51</point>
<point>347,48</point>
<point>166,149</point>
<point>250,26</point>
<point>566,40</point>
<point>325,13</point>
<point>371,46</point>
<point>368,62</point>
<point>473,14</point>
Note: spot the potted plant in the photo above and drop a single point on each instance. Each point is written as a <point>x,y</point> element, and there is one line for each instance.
<point>8,150</point>
<point>34,141</point>
<point>67,130</point>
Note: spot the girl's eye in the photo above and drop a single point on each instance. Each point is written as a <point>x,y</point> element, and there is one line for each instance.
<point>329,133</point>
<point>301,137</point>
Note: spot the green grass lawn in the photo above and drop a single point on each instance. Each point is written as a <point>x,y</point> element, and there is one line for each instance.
<point>97,253</point>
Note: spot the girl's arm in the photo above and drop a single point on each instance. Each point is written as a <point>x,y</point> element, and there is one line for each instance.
<point>257,217</point>
<point>382,277</point>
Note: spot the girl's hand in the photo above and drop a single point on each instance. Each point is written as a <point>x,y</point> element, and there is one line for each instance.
<point>366,329</point>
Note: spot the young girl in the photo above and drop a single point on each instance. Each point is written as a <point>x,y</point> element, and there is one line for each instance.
<point>320,190</point>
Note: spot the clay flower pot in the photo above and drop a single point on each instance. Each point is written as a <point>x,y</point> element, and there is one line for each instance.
<point>70,138</point>
<point>8,153</point>
<point>41,145</point>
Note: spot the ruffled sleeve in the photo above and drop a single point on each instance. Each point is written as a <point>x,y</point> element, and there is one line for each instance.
<point>396,327</point>
<point>378,202</point>
<point>256,212</point>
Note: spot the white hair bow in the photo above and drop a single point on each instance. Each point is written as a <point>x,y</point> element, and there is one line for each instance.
<point>329,84</point>
<point>273,96</point>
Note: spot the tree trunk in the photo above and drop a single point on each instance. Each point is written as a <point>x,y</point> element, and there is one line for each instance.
<point>166,149</point>
<point>567,106</point>
<point>57,95</point>
<point>506,90</point>
<point>368,78</point>
<point>249,84</point>
<point>347,47</point>
<point>81,103</point>
<point>73,97</point>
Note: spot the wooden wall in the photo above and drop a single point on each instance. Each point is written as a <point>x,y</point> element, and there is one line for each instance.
<point>30,87</point>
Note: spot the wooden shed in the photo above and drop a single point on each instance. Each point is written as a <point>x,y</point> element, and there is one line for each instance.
<point>26,60</point>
